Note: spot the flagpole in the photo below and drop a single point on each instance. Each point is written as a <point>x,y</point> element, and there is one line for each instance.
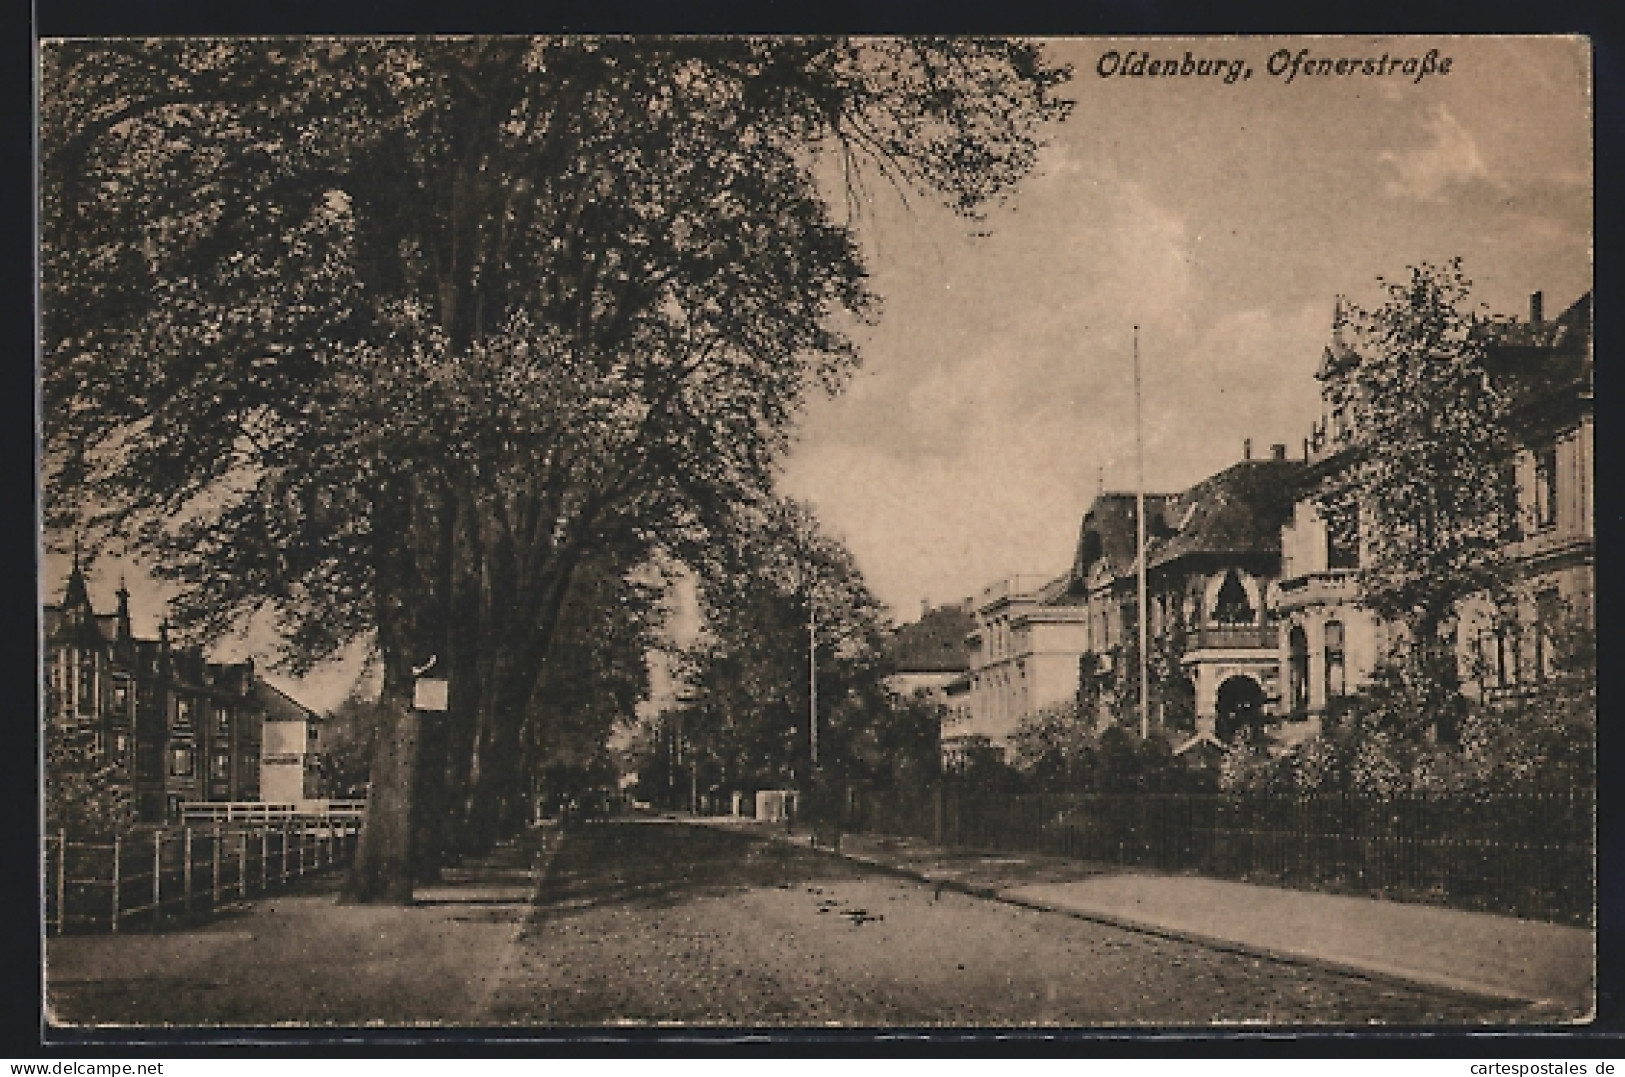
<point>1139,529</point>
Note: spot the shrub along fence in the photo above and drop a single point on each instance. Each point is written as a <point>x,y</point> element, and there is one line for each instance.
<point>149,877</point>
<point>1529,855</point>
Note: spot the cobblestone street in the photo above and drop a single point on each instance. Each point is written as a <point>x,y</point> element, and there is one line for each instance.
<point>664,922</point>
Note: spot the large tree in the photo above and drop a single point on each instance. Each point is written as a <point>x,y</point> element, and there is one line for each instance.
<point>782,603</point>
<point>1424,492</point>
<point>385,336</point>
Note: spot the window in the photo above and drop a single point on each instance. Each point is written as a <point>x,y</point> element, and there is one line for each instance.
<point>180,762</point>
<point>121,696</point>
<point>1546,486</point>
<point>1298,670</point>
<point>183,714</point>
<point>1511,507</point>
<point>222,721</point>
<point>121,747</point>
<point>1508,650</point>
<point>1232,606</point>
<point>1548,615</point>
<point>1342,537</point>
<point>87,683</point>
<point>222,765</point>
<point>1334,659</point>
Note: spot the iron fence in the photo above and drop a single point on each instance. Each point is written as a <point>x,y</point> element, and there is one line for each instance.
<point>1527,855</point>
<point>153,876</point>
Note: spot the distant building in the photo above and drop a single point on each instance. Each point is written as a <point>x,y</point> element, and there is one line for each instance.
<point>1025,645</point>
<point>931,660</point>
<point>174,727</point>
<point>930,654</point>
<point>288,773</point>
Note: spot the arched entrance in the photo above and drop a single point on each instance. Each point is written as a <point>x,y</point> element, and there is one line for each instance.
<point>1240,705</point>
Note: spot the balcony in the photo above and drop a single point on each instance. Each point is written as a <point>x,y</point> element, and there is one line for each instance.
<point>1235,638</point>
<point>1332,587</point>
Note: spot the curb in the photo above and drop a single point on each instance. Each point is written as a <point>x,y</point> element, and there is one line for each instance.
<point>1401,977</point>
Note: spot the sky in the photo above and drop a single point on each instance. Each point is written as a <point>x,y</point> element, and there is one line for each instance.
<point>996,392</point>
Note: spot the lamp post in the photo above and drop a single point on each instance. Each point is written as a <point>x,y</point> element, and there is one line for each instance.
<point>1139,535</point>
<point>812,678</point>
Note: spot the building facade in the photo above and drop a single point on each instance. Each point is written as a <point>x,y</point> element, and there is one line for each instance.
<point>1028,634</point>
<point>172,727</point>
<point>1212,556</point>
<point>1330,644</point>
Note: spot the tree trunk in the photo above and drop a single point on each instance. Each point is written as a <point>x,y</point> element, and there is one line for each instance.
<point>383,868</point>
<point>407,539</point>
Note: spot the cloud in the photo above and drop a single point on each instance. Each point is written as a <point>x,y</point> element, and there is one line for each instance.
<point>1450,158</point>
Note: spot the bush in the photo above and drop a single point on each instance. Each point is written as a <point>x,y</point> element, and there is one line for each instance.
<point>1372,745</point>
<point>1064,748</point>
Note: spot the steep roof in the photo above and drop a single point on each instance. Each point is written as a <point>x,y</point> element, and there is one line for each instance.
<point>1108,533</point>
<point>280,706</point>
<point>935,643</point>
<point>1536,360</point>
<point>1240,510</point>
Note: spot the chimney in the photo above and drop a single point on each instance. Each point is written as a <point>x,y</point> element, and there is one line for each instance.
<point>1278,452</point>
<point>1247,449</point>
<point>1537,308</point>
<point>1306,448</point>
<point>925,607</point>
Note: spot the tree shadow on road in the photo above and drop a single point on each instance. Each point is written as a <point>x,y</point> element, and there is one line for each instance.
<point>648,864</point>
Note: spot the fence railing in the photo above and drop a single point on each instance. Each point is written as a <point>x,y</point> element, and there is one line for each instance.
<point>150,877</point>
<point>1522,855</point>
<point>206,812</point>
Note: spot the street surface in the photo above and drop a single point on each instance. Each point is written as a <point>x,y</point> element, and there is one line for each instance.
<point>658,921</point>
<point>646,921</point>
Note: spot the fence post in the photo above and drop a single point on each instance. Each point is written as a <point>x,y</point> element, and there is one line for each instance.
<point>186,870</point>
<point>242,864</point>
<point>214,895</point>
<point>285,832</point>
<point>265,860</point>
<point>62,881</point>
<point>157,878</point>
<point>117,848</point>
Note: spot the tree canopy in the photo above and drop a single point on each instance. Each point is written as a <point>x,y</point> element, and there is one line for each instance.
<point>1423,492</point>
<point>385,336</point>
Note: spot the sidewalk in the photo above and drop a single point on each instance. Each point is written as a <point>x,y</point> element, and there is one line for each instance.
<point>304,958</point>
<point>1551,966</point>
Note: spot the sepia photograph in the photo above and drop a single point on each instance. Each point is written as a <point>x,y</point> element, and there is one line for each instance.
<point>789,532</point>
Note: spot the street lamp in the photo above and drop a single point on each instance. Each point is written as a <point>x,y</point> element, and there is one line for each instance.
<point>812,676</point>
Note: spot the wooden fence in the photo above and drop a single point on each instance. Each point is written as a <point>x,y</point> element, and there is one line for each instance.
<point>151,877</point>
<point>1522,855</point>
